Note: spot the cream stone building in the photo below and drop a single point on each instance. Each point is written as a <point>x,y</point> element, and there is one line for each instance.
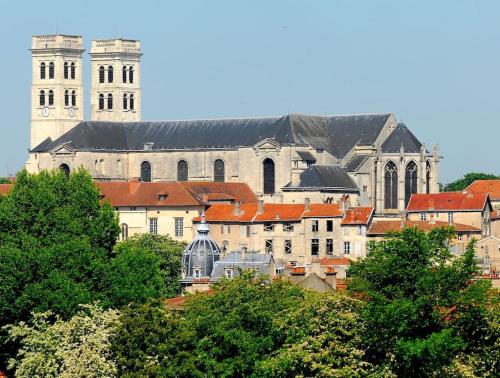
<point>373,158</point>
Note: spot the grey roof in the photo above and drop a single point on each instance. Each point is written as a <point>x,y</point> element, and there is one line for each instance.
<point>335,134</point>
<point>401,136</point>
<point>242,260</point>
<point>324,176</point>
<point>356,162</point>
<point>306,156</point>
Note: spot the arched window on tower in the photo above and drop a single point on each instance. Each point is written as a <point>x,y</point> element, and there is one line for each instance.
<point>73,70</point>
<point>73,98</point>
<point>131,74</point>
<point>110,74</point>
<point>146,171</point>
<point>65,168</point>
<point>269,176</point>
<point>411,180</point>
<point>182,171</point>
<point>428,177</point>
<point>132,105</point>
<point>391,185</point>
<point>110,101</point>
<point>219,170</point>
<point>51,70</point>
<point>42,70</point>
<point>101,74</point>
<point>125,101</point>
<point>66,98</point>
<point>51,97</point>
<point>101,102</point>
<point>66,70</point>
<point>124,74</point>
<point>42,98</point>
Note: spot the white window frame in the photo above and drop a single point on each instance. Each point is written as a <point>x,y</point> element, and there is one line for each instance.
<point>347,248</point>
<point>153,226</point>
<point>229,273</point>
<point>423,216</point>
<point>269,245</point>
<point>315,225</point>
<point>287,227</point>
<point>329,246</point>
<point>268,227</point>
<point>196,272</point>
<point>450,217</point>
<point>179,227</point>
<point>288,247</point>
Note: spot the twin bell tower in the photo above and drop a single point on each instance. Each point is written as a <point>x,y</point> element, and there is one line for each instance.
<point>57,85</point>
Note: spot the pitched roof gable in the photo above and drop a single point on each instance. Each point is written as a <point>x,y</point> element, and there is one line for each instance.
<point>492,187</point>
<point>401,136</point>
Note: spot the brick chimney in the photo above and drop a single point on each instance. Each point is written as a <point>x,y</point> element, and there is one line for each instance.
<point>237,208</point>
<point>331,277</point>
<point>307,204</point>
<point>260,207</point>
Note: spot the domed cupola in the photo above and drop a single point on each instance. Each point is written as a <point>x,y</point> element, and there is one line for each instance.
<point>199,256</point>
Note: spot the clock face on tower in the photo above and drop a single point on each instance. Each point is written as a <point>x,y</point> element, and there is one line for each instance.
<point>45,111</point>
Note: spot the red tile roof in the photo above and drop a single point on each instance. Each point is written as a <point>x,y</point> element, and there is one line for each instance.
<point>357,215</point>
<point>318,210</point>
<point>227,213</point>
<point>220,191</point>
<point>326,261</point>
<point>136,193</point>
<point>280,212</point>
<point>492,187</point>
<point>382,227</point>
<point>447,201</point>
<point>5,188</point>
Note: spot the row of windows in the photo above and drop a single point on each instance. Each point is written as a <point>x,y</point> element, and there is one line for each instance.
<point>128,101</point>
<point>423,216</point>
<point>153,227</point>
<point>127,74</point>
<point>69,70</point>
<point>288,227</point>
<point>269,247</point>
<point>47,98</point>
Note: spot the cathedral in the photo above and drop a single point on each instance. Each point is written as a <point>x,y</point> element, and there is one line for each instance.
<point>371,159</point>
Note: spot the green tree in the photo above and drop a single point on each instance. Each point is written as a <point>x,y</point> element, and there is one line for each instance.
<point>5,180</point>
<point>463,182</point>
<point>423,307</point>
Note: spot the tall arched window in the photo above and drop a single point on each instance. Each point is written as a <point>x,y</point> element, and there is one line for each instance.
<point>42,70</point>
<point>182,171</point>
<point>428,177</point>
<point>125,101</point>
<point>73,70</point>
<point>131,74</point>
<point>110,101</point>
<point>42,98</point>
<point>391,185</point>
<point>110,74</point>
<point>146,171</point>
<point>124,74</point>
<point>66,98</point>
<point>73,98</point>
<point>269,176</point>
<point>219,170</point>
<point>411,179</point>
<point>101,102</point>
<point>66,70</point>
<point>51,97</point>
<point>101,74</point>
<point>124,229</point>
<point>51,70</point>
<point>65,168</point>
<point>132,105</point>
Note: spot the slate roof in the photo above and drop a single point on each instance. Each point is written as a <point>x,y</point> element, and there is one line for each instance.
<point>306,156</point>
<point>401,136</point>
<point>324,176</point>
<point>356,162</point>
<point>335,134</point>
<point>259,261</point>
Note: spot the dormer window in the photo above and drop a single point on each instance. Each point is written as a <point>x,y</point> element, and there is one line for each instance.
<point>229,272</point>
<point>197,272</point>
<point>148,146</point>
<point>162,197</point>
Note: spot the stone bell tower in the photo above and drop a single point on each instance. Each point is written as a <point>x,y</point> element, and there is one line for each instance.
<point>57,86</point>
<point>116,80</point>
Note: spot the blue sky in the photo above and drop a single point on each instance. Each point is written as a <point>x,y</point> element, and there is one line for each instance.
<point>435,64</point>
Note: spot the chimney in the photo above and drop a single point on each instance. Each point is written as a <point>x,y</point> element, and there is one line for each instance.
<point>307,204</point>
<point>296,176</point>
<point>331,277</point>
<point>237,208</point>
<point>260,207</point>
<point>431,204</point>
<point>297,274</point>
<point>134,184</point>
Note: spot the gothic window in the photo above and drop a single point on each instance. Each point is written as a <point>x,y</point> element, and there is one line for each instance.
<point>182,171</point>
<point>411,175</point>
<point>101,102</point>
<point>110,101</point>
<point>391,186</point>
<point>131,74</point>
<point>125,101</point>
<point>428,178</point>
<point>66,98</point>
<point>51,97</point>
<point>65,168</point>
<point>42,98</point>
<point>146,171</point>
<point>65,70</point>
<point>42,70</point>
<point>110,74</point>
<point>73,98</point>
<point>73,70</point>
<point>101,74</point>
<point>124,74</point>
<point>268,165</point>
<point>51,70</point>
<point>219,170</point>
<point>132,105</point>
